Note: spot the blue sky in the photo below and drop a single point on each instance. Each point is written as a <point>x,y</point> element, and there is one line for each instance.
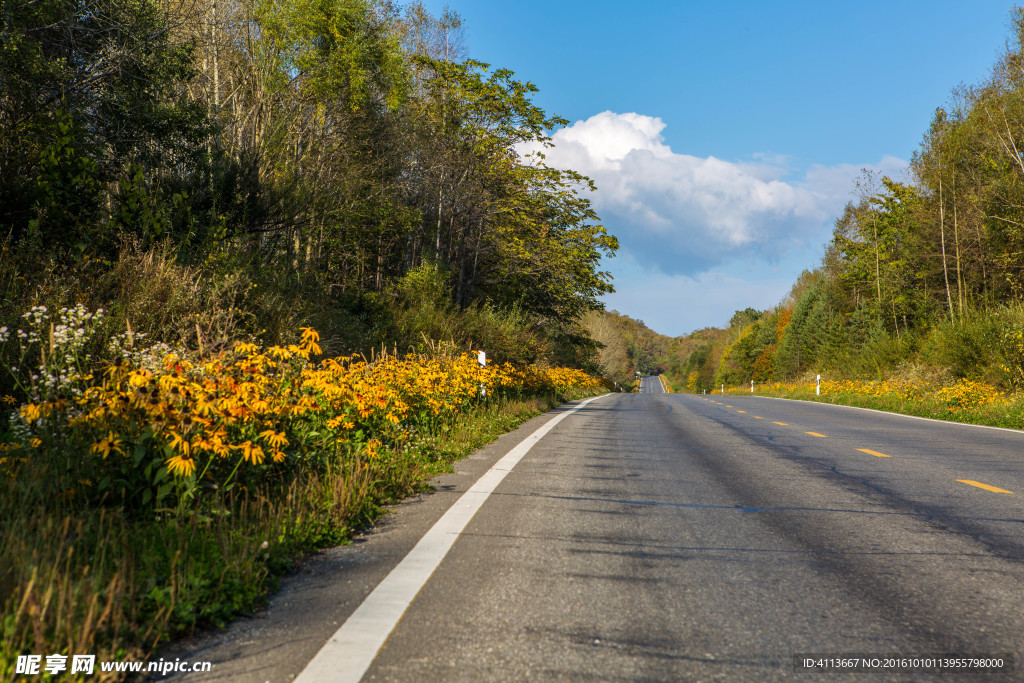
<point>725,137</point>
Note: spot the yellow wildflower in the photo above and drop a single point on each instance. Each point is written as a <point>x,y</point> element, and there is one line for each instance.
<point>251,452</point>
<point>110,443</point>
<point>180,444</point>
<point>274,439</point>
<point>181,465</point>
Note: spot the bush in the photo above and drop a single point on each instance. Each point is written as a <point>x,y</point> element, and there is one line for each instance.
<point>965,346</point>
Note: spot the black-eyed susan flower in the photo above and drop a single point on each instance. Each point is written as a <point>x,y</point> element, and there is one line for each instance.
<point>107,445</point>
<point>181,465</point>
<point>274,439</point>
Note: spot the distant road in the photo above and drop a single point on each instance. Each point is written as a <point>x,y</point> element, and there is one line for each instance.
<point>651,384</point>
<point>684,537</point>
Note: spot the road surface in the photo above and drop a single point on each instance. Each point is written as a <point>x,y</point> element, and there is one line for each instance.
<point>658,536</point>
<point>651,384</point>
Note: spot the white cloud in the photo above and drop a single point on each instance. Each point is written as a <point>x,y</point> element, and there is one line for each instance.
<point>685,214</point>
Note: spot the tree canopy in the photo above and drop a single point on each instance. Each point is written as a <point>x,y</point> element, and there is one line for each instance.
<point>337,144</point>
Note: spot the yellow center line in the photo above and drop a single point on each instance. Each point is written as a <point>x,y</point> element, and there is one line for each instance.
<point>741,411</point>
<point>874,453</point>
<point>816,434</point>
<point>728,406</point>
<point>784,424</point>
<point>993,489</point>
<point>756,417</point>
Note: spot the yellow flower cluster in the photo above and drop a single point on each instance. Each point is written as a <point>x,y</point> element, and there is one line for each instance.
<point>250,407</point>
<point>895,387</point>
<point>964,394</point>
<point>968,394</point>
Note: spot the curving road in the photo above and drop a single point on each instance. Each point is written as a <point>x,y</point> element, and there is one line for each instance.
<point>683,537</point>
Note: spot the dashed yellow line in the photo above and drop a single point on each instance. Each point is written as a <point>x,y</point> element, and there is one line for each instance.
<point>993,489</point>
<point>969,482</point>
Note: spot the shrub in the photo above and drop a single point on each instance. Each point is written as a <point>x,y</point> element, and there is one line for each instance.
<point>964,346</point>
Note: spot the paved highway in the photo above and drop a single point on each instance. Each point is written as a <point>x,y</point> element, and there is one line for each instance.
<point>680,537</point>
<point>651,384</point>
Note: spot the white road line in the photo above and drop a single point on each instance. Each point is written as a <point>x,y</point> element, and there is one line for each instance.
<point>886,412</point>
<point>353,647</point>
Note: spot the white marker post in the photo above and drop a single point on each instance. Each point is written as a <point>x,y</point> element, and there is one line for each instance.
<point>481,357</point>
<point>817,390</point>
<point>751,386</point>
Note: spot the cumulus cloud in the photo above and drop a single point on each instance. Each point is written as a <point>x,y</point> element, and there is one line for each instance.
<point>687,214</point>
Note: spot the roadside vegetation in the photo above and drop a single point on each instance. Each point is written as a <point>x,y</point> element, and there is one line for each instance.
<point>917,305</point>
<point>246,251</point>
<point>966,401</point>
<point>159,494</point>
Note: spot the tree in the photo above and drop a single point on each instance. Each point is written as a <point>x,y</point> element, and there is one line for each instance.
<point>89,93</point>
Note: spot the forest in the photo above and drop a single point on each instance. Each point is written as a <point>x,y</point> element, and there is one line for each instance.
<point>923,276</point>
<point>212,170</point>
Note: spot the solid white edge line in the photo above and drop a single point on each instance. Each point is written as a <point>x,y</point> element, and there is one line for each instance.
<point>886,412</point>
<point>353,647</point>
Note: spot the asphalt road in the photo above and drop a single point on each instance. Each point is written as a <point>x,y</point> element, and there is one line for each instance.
<point>658,536</point>
<point>651,384</point>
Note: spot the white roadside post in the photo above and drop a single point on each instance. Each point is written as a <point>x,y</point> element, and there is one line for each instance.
<point>481,357</point>
<point>817,389</point>
<point>723,390</point>
<point>751,386</point>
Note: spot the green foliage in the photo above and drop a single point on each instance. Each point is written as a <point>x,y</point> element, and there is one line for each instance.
<point>87,91</point>
<point>752,355</point>
<point>741,319</point>
<point>697,370</point>
<point>66,197</point>
<point>626,346</point>
<point>418,312</point>
<point>965,346</point>
<point>315,191</point>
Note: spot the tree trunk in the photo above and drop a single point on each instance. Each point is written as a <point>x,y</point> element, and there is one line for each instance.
<point>956,245</point>
<point>942,241</point>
